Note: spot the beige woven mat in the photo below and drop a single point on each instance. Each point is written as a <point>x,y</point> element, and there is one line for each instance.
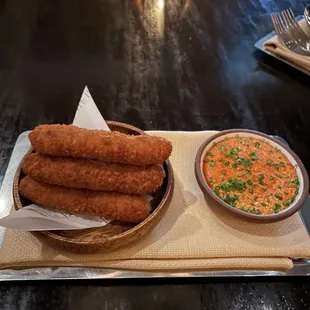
<point>192,235</point>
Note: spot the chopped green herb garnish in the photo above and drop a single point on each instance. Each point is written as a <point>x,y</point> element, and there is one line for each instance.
<point>261,178</point>
<point>257,144</point>
<point>247,163</point>
<point>278,196</point>
<point>277,208</point>
<point>234,165</point>
<point>244,141</point>
<point>270,162</point>
<point>296,181</point>
<point>279,175</point>
<point>252,210</point>
<point>249,182</point>
<point>210,154</point>
<point>279,186</point>
<point>263,204</point>
<point>225,187</point>
<point>212,163</point>
<point>233,152</point>
<point>214,144</point>
<point>223,147</point>
<point>231,200</point>
<point>226,163</point>
<point>212,180</point>
<point>254,156</point>
<point>233,184</point>
<point>271,178</point>
<point>280,164</point>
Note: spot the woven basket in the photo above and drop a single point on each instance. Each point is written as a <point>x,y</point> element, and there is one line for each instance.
<point>114,235</point>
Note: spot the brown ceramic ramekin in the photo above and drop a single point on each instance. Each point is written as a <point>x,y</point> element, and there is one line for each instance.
<point>291,156</point>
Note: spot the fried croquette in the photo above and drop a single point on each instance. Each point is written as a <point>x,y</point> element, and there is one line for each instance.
<point>94,175</point>
<point>107,146</point>
<point>114,206</point>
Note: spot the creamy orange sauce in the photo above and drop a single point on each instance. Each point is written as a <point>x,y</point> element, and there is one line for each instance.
<point>251,175</point>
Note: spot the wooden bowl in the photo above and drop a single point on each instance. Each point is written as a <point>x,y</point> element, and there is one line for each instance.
<point>114,235</point>
<point>290,155</point>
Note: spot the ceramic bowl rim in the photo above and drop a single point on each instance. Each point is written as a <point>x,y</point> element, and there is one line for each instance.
<point>209,193</point>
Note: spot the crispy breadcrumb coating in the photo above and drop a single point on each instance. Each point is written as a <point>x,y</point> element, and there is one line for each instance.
<point>114,206</point>
<point>107,146</point>
<point>94,175</point>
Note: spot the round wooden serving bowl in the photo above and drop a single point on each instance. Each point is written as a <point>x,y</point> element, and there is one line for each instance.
<point>114,235</point>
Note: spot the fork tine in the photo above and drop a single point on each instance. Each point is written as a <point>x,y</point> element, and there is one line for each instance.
<point>293,24</point>
<point>296,24</point>
<point>291,17</point>
<point>278,29</point>
<point>279,24</point>
<point>275,26</point>
<point>282,22</point>
<point>293,20</point>
<point>287,19</point>
<point>291,14</point>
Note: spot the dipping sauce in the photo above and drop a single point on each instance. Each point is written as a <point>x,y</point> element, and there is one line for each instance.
<point>251,175</point>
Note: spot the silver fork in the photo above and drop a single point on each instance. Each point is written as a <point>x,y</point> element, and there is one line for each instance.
<point>285,37</point>
<point>295,30</point>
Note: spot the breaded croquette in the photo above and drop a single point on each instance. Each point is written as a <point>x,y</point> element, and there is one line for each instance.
<point>115,206</point>
<point>94,175</point>
<point>107,146</point>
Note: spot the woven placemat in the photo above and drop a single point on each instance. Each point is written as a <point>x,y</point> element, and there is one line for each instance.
<point>193,235</point>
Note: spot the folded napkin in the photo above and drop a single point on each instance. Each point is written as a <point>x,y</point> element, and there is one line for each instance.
<point>274,46</point>
<point>193,235</point>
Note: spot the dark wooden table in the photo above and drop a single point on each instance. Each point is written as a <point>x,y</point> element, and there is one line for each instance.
<point>156,64</point>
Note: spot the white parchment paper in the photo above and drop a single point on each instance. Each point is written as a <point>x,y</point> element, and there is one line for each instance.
<point>33,217</point>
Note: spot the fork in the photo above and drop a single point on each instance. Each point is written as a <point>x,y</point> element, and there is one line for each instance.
<point>297,33</point>
<point>286,37</point>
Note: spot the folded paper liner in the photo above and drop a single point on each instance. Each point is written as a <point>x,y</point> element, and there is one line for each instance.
<point>193,235</point>
<point>274,46</point>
